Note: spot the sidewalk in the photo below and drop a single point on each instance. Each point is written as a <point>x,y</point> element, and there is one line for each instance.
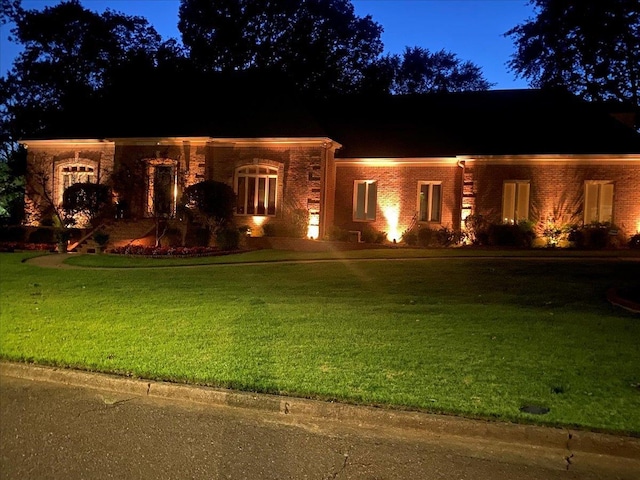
<point>573,450</point>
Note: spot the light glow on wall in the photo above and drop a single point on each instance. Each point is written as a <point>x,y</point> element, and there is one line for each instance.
<point>392,216</point>
<point>313,230</point>
<point>258,221</point>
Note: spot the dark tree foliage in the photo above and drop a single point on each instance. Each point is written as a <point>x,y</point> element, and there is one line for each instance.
<point>321,45</point>
<point>420,71</point>
<point>70,56</point>
<point>590,47</point>
<point>213,200</point>
<point>88,199</point>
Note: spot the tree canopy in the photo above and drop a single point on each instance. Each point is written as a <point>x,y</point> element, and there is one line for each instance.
<point>85,202</point>
<point>420,71</point>
<point>590,47</point>
<point>322,45</point>
<point>211,199</point>
<point>70,55</point>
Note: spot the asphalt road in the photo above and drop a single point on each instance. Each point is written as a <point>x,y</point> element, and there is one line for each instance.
<point>51,430</point>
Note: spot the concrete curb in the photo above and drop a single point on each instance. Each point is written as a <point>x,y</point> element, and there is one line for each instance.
<point>617,449</point>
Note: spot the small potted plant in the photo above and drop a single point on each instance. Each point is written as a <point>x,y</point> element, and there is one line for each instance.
<point>101,238</point>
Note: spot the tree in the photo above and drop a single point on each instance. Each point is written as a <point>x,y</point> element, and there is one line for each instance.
<point>321,45</point>
<point>83,203</point>
<point>590,47</point>
<point>69,56</point>
<point>420,71</point>
<point>213,200</point>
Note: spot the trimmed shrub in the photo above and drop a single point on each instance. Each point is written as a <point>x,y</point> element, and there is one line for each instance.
<point>270,230</point>
<point>42,235</point>
<point>371,235</point>
<point>228,238</point>
<point>338,234</point>
<point>13,234</point>
<point>507,235</point>
<point>595,236</point>
<point>410,238</point>
<point>426,237</point>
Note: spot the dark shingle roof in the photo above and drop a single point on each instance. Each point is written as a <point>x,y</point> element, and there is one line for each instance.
<point>498,122</point>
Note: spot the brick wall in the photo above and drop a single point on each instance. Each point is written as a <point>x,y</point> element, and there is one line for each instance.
<point>557,190</point>
<point>44,185</point>
<point>299,177</point>
<point>397,195</point>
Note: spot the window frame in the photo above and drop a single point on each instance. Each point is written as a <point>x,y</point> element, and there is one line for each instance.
<point>79,171</point>
<point>370,188</point>
<point>265,181</point>
<point>511,207</point>
<point>430,203</point>
<point>600,207</point>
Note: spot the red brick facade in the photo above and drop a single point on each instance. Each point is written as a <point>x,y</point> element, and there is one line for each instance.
<point>557,186</point>
<point>311,180</point>
<point>397,193</point>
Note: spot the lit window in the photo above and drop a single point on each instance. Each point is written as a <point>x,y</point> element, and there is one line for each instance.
<point>72,174</point>
<point>429,201</point>
<point>515,201</point>
<point>598,202</point>
<point>365,199</point>
<point>256,188</point>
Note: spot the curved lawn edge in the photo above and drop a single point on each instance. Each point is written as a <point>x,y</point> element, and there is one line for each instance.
<point>273,256</point>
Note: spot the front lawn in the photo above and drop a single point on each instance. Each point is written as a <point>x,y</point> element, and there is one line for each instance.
<point>474,336</point>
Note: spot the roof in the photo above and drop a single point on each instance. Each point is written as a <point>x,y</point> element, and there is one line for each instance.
<point>494,122</point>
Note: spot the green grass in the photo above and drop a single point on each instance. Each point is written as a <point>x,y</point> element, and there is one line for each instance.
<point>479,337</point>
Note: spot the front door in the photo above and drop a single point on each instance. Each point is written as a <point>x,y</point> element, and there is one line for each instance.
<point>162,191</point>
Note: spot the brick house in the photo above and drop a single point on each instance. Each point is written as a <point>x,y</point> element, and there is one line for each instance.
<point>384,163</point>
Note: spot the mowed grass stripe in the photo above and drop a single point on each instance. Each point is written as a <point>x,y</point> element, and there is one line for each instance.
<point>473,337</point>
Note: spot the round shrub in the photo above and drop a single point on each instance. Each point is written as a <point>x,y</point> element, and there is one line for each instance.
<point>228,238</point>
<point>634,241</point>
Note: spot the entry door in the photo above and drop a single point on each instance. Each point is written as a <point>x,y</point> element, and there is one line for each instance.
<point>162,190</point>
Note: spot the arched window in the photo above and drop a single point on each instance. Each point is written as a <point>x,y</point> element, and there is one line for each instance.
<point>70,173</point>
<point>256,188</point>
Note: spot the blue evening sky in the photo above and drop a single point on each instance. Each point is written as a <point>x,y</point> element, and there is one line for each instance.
<point>472,29</point>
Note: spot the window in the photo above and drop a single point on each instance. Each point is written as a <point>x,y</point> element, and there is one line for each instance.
<point>515,201</point>
<point>72,174</point>
<point>429,201</point>
<point>365,199</point>
<point>256,188</point>
<point>598,202</point>
<point>76,174</point>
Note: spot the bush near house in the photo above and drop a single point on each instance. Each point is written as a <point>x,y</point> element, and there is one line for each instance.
<point>634,241</point>
<point>337,234</point>
<point>428,237</point>
<point>13,234</point>
<point>371,235</point>
<point>228,238</point>
<point>594,236</point>
<point>507,235</point>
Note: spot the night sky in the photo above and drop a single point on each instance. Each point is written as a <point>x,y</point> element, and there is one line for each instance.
<point>473,29</point>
